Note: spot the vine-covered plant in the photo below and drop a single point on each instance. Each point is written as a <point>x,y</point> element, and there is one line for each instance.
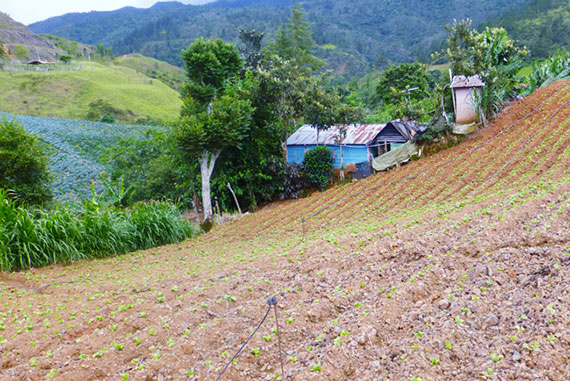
<point>318,165</point>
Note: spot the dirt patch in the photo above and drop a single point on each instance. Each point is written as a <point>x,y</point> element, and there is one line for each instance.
<point>451,267</point>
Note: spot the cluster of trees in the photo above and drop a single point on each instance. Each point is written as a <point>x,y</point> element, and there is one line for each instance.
<point>240,106</point>
<point>541,25</point>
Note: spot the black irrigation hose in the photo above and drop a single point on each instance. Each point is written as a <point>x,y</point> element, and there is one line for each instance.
<point>271,302</point>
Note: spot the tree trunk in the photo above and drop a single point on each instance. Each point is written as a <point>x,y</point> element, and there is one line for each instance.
<point>207,162</point>
<point>341,163</point>
<point>285,137</point>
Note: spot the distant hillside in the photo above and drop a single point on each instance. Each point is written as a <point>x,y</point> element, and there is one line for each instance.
<point>542,25</point>
<point>131,96</point>
<point>22,44</point>
<point>171,75</point>
<point>354,36</point>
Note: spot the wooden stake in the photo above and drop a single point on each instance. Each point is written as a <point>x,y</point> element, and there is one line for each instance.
<point>235,198</point>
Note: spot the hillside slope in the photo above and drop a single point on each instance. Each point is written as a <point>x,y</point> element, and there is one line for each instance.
<point>354,36</point>
<point>23,44</point>
<point>68,94</point>
<point>455,266</point>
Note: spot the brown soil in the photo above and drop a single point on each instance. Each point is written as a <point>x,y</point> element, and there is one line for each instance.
<point>454,267</point>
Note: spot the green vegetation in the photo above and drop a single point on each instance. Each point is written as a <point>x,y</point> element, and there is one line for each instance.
<point>543,26</point>
<point>318,164</point>
<point>492,55</point>
<point>171,75</point>
<point>34,239</point>
<point>216,114</point>
<point>545,73</point>
<point>81,150</point>
<point>366,34</point>
<point>67,94</point>
<point>23,165</point>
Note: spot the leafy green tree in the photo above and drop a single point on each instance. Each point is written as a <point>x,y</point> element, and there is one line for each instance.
<point>403,78</point>
<point>215,115</point>
<point>251,48</point>
<point>295,43</point>
<point>23,165</point>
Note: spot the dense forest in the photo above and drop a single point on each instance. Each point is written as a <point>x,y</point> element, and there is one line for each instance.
<point>542,25</point>
<point>354,37</point>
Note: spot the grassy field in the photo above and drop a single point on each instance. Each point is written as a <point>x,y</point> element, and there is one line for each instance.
<point>452,267</point>
<point>67,94</point>
<point>171,75</point>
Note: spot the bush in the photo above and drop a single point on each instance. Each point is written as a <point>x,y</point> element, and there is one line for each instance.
<point>318,167</point>
<point>23,165</point>
<point>64,235</point>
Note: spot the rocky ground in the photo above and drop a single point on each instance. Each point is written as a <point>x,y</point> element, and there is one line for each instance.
<point>453,267</point>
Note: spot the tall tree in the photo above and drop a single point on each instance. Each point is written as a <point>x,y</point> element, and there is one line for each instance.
<point>294,42</point>
<point>214,116</point>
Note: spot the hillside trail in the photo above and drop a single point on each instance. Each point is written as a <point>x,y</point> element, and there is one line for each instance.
<point>452,267</point>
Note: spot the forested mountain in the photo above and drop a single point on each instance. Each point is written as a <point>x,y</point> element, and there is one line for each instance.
<point>542,25</point>
<point>354,36</point>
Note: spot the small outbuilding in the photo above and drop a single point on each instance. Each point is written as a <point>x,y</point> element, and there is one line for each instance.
<point>362,143</point>
<point>466,90</point>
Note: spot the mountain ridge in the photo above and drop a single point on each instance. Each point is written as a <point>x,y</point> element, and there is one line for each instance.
<point>358,36</point>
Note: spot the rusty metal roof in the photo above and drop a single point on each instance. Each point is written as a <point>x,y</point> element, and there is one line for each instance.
<point>355,134</point>
<point>463,81</point>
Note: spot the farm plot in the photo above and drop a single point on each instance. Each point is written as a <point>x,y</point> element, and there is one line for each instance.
<point>77,148</point>
<point>452,267</point>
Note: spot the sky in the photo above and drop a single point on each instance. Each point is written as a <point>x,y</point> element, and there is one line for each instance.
<point>30,11</point>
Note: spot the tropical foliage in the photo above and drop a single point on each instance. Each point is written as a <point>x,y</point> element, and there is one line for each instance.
<point>546,72</point>
<point>492,55</point>
<point>23,164</point>
<point>42,237</point>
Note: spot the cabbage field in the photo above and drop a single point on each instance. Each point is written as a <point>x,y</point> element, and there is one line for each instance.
<point>75,148</point>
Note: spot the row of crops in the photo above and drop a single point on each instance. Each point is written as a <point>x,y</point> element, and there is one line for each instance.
<point>76,147</point>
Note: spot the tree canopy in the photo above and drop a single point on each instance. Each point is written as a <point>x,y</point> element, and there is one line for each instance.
<point>23,165</point>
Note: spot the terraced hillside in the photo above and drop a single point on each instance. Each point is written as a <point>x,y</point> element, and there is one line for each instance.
<point>454,267</point>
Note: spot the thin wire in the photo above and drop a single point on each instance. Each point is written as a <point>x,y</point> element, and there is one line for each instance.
<point>244,344</point>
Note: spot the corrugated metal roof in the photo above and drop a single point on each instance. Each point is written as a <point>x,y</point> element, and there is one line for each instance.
<point>355,134</point>
<point>463,81</point>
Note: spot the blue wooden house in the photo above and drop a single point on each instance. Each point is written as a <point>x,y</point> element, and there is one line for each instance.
<point>362,143</point>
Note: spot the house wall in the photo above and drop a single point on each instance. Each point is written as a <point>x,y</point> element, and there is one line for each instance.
<point>465,112</point>
<point>351,154</point>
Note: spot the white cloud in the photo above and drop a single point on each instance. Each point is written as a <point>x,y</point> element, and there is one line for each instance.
<point>30,11</point>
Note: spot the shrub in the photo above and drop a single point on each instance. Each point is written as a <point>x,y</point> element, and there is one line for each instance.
<point>318,167</point>
<point>23,165</point>
<point>39,238</point>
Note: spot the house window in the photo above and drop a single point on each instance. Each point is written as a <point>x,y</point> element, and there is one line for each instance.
<point>382,148</point>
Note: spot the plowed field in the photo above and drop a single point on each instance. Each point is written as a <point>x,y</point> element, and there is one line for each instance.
<point>453,267</point>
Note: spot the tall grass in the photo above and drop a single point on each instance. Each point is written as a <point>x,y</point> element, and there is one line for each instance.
<point>35,238</point>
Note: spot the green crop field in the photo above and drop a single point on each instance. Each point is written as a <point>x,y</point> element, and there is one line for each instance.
<point>68,93</point>
<point>75,148</point>
<point>454,266</point>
